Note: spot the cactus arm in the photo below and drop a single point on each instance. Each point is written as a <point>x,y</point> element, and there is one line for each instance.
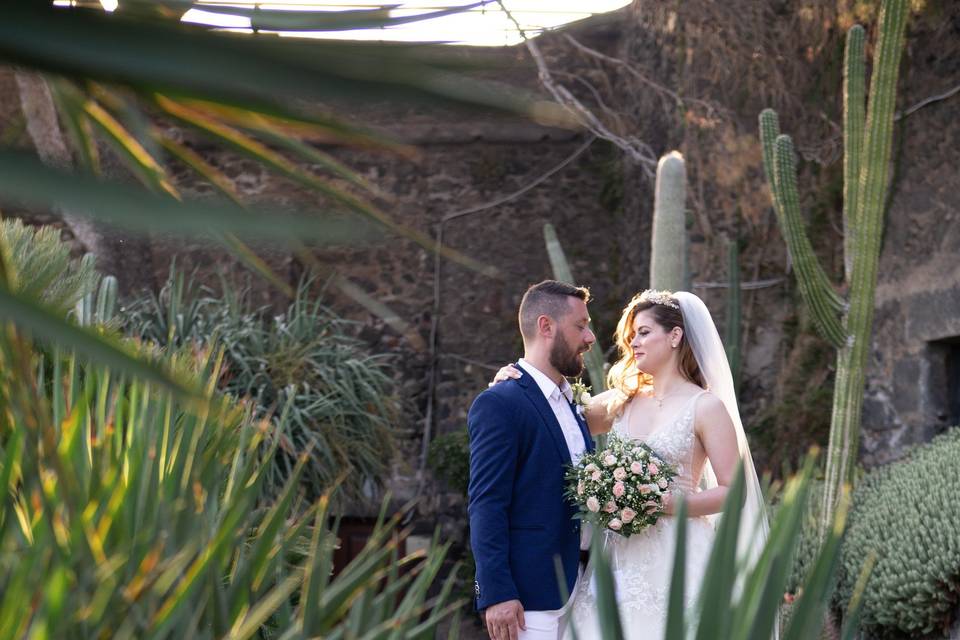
<point>798,245</point>
<point>769,130</point>
<point>815,287</point>
<point>562,272</point>
<point>854,117</point>
<point>668,246</point>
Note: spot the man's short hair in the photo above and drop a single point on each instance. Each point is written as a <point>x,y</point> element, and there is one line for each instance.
<point>547,298</point>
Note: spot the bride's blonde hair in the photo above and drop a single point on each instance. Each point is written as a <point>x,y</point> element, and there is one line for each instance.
<point>624,375</point>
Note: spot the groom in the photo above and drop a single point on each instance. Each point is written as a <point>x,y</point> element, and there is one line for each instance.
<point>523,434</point>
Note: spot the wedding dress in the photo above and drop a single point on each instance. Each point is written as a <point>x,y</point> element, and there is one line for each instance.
<point>642,564</point>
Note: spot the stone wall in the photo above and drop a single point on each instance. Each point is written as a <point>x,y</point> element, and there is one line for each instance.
<point>911,394</point>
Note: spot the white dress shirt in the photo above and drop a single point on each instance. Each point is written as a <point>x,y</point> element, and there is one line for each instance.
<point>559,399</point>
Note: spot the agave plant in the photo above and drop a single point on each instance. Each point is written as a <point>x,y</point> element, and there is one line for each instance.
<point>302,366</point>
<point>130,513</point>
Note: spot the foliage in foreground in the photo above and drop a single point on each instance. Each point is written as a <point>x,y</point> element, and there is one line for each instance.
<point>740,604</point>
<point>302,369</point>
<point>908,513</point>
<point>129,513</point>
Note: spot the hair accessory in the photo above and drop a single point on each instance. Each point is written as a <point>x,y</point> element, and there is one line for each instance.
<point>659,297</point>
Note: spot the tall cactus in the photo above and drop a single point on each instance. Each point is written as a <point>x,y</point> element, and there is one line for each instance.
<point>847,324</point>
<point>668,245</point>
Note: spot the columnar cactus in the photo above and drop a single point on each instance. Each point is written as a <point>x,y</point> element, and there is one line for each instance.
<point>668,246</point>
<point>847,324</point>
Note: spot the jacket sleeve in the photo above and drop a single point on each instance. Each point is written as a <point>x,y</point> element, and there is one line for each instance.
<point>494,450</point>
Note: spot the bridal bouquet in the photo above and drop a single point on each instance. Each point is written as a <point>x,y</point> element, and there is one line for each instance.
<point>621,487</point>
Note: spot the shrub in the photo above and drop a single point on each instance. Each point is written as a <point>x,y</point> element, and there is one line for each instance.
<point>303,362</point>
<point>449,458</point>
<point>909,514</point>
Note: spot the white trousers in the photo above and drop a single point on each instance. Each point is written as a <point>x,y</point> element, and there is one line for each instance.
<point>548,625</point>
<point>543,625</point>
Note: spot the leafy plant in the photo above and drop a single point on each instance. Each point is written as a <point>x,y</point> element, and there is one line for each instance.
<point>39,266</point>
<point>593,359</point>
<point>301,368</point>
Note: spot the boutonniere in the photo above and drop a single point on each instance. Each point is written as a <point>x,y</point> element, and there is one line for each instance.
<point>581,396</point>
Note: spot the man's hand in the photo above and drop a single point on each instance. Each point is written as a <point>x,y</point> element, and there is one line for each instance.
<point>505,620</point>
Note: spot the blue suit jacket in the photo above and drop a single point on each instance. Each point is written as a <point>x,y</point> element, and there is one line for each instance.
<point>519,518</point>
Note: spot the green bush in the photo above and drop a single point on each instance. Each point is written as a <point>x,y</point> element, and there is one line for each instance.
<point>449,458</point>
<point>303,363</point>
<point>908,512</point>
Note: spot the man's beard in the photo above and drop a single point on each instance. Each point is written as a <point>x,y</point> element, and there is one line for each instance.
<point>565,359</point>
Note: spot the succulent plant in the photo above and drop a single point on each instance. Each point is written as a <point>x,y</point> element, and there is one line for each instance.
<point>908,513</point>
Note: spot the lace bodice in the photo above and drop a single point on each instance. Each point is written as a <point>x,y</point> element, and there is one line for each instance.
<point>674,441</point>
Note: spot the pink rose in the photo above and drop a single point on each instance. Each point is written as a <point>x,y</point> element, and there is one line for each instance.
<point>590,468</point>
<point>596,476</point>
<point>593,504</point>
<point>653,468</point>
<point>636,467</point>
<point>662,484</point>
<point>610,507</point>
<point>580,488</point>
<point>644,489</point>
<point>619,473</point>
<point>650,506</point>
<point>615,524</point>
<point>619,489</point>
<point>610,460</point>
<point>627,515</point>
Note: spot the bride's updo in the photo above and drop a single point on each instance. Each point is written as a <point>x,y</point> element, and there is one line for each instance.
<point>624,374</point>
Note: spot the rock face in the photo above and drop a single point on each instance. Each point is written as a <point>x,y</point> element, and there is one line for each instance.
<point>689,78</point>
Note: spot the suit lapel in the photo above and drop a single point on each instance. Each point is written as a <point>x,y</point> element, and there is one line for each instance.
<point>530,387</point>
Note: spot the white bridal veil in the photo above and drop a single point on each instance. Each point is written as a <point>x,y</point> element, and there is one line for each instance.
<point>701,333</point>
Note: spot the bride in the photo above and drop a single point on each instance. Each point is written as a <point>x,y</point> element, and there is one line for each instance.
<point>672,389</point>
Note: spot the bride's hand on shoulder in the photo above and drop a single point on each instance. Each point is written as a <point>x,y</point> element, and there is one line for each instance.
<point>508,372</point>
